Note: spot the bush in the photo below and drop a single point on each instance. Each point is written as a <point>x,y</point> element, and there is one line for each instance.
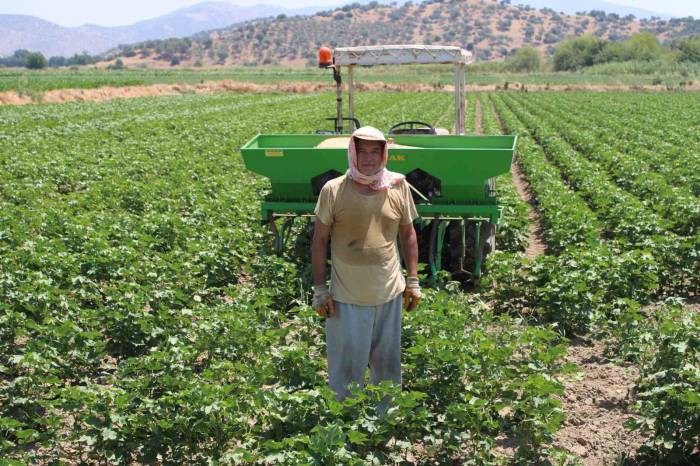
<point>221,54</point>
<point>19,58</point>
<point>527,59</point>
<point>588,50</point>
<point>688,48</point>
<point>82,59</point>
<point>575,53</point>
<point>643,46</point>
<point>35,61</point>
<point>58,61</point>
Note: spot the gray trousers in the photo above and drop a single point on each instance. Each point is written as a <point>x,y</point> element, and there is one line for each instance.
<point>362,336</point>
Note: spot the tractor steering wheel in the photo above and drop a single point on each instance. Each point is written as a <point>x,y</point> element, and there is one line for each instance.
<point>414,127</point>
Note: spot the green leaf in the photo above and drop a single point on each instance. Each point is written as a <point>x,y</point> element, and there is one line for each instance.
<point>358,438</point>
<point>108,434</point>
<point>680,347</point>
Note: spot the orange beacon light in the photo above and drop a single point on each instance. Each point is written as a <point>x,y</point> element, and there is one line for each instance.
<point>325,57</point>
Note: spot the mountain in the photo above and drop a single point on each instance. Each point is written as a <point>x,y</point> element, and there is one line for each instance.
<point>492,28</point>
<point>29,32</point>
<point>573,6</point>
<point>35,34</point>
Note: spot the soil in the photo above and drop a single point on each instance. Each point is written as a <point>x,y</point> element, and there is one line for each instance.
<point>598,403</point>
<point>535,244</point>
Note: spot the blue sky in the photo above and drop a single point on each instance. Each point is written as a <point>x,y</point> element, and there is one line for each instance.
<point>671,7</point>
<point>121,12</point>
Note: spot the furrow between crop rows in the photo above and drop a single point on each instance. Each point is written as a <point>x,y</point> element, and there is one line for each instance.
<point>567,219</point>
<point>512,234</point>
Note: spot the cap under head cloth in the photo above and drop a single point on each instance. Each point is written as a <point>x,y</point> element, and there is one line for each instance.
<point>369,133</point>
<point>383,179</point>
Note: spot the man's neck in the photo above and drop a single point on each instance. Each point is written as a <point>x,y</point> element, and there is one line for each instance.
<point>363,188</point>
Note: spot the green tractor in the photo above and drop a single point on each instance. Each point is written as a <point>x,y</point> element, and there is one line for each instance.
<point>451,175</point>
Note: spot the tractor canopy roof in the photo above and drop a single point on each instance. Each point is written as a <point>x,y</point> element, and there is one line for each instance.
<point>401,54</point>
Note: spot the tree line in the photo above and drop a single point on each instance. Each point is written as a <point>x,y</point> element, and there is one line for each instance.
<point>23,58</point>
<point>577,53</point>
<point>587,50</point>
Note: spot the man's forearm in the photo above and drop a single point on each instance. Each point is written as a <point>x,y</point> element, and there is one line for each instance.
<point>409,244</point>
<point>318,261</point>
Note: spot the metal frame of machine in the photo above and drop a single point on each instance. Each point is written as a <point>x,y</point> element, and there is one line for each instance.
<point>397,55</point>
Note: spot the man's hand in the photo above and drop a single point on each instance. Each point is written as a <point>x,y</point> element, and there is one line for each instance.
<point>411,295</point>
<point>323,301</point>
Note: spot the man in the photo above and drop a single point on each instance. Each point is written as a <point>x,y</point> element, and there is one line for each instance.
<point>362,213</point>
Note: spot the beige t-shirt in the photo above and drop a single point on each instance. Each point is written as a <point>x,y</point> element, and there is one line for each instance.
<point>364,256</point>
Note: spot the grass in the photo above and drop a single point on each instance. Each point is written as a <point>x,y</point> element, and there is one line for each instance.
<point>21,80</point>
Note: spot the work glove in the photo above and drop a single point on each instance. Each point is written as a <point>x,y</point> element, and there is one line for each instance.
<point>411,295</point>
<point>323,301</point>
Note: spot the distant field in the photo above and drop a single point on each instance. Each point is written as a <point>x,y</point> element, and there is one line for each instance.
<point>45,80</point>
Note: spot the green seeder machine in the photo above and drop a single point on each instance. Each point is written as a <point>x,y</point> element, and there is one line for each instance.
<point>451,176</point>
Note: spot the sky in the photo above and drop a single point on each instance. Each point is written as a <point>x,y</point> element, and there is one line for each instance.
<point>680,8</point>
<point>123,12</point>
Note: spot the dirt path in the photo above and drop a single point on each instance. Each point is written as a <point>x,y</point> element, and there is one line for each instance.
<point>535,241</point>
<point>597,404</point>
<point>227,85</point>
<point>478,126</point>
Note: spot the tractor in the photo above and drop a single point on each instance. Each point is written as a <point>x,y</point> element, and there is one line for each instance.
<point>451,175</point>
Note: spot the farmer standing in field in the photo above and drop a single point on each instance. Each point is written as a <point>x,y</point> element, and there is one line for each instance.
<point>363,212</point>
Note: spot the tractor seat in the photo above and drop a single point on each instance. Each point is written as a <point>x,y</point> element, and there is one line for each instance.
<point>412,131</point>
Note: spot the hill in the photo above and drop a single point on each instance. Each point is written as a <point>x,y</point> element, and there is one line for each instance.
<point>36,34</point>
<point>494,29</point>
